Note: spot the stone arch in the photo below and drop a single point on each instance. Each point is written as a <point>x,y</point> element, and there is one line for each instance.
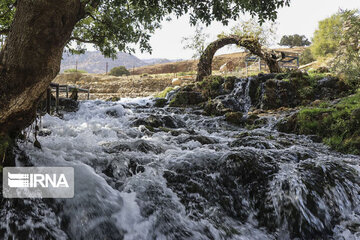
<point>250,43</point>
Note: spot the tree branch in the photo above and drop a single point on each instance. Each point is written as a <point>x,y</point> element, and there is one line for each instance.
<point>4,31</point>
<point>82,40</point>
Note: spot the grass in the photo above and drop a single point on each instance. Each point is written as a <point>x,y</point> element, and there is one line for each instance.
<point>71,70</point>
<point>338,124</point>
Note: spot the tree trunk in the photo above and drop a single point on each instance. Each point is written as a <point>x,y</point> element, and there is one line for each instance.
<point>31,57</point>
<point>252,44</point>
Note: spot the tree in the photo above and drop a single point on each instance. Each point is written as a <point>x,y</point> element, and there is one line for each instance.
<point>327,37</point>
<point>294,41</point>
<point>196,42</point>
<point>249,42</point>
<point>119,71</point>
<point>250,35</point>
<point>306,57</point>
<point>347,57</point>
<point>265,33</point>
<point>37,32</point>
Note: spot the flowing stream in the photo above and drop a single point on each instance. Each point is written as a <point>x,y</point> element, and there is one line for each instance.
<point>191,177</point>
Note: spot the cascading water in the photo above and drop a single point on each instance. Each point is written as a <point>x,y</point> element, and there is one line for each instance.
<point>187,176</point>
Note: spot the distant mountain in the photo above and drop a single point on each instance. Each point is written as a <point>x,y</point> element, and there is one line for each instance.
<point>95,62</point>
<point>153,61</point>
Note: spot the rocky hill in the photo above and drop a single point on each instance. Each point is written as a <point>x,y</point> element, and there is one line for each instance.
<point>95,62</point>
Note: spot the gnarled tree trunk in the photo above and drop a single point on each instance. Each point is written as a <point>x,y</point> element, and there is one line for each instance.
<point>250,43</point>
<point>31,57</point>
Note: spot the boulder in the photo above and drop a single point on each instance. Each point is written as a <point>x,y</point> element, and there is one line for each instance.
<point>176,82</point>
<point>186,98</point>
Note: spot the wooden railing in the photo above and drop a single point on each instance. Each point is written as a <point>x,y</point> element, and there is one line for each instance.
<point>57,88</point>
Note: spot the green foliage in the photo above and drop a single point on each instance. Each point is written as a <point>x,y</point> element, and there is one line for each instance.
<point>72,70</point>
<point>164,93</point>
<point>264,33</point>
<point>117,25</point>
<point>338,125</point>
<point>327,36</point>
<point>7,11</point>
<point>119,71</point>
<point>294,40</point>
<point>196,42</point>
<point>306,57</point>
<point>347,60</point>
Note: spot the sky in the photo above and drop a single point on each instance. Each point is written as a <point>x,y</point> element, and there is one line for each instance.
<point>301,17</point>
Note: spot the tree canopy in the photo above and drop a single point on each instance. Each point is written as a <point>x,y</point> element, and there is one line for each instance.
<point>116,25</point>
<point>347,57</point>
<point>196,42</point>
<point>295,40</point>
<point>119,71</point>
<point>327,36</point>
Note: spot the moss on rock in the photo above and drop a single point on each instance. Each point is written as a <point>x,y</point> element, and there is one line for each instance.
<point>160,102</point>
<point>234,118</point>
<point>338,124</point>
<point>186,98</point>
<point>164,93</point>
<point>211,86</point>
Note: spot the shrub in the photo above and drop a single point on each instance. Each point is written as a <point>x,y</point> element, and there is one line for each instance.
<point>119,71</point>
<point>306,57</point>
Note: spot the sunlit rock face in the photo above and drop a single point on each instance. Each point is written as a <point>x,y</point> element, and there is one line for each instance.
<point>143,172</point>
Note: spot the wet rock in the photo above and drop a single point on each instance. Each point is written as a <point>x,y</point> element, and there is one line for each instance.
<point>139,145</point>
<point>68,105</point>
<point>160,102</point>
<point>112,113</point>
<point>152,121</point>
<point>135,168</point>
<point>44,132</point>
<point>288,124</point>
<point>234,118</point>
<point>171,122</point>
<point>116,169</point>
<point>215,107</point>
<point>202,139</point>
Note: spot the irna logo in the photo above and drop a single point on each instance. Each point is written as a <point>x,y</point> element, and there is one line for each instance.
<point>38,182</point>
<point>16,180</point>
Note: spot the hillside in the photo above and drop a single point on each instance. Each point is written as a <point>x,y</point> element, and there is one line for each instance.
<point>95,62</point>
<point>191,65</point>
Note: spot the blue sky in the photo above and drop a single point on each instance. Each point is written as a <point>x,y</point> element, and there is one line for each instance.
<point>301,17</point>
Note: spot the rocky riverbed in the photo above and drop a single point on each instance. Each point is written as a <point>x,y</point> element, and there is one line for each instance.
<point>182,172</point>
